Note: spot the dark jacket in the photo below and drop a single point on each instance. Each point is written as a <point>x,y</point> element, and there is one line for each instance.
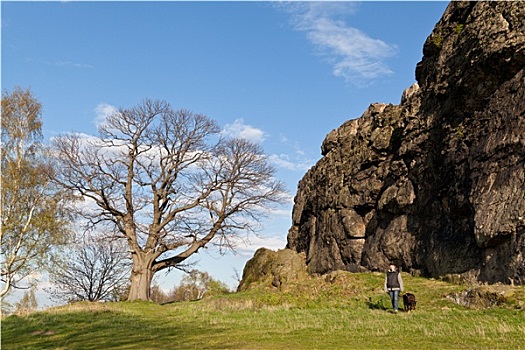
<point>393,281</point>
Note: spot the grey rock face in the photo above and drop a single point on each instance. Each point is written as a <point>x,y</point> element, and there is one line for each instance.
<point>436,183</point>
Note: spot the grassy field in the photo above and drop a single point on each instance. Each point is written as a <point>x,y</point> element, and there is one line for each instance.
<point>348,311</point>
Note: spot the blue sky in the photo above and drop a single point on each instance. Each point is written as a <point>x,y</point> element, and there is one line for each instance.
<point>281,74</point>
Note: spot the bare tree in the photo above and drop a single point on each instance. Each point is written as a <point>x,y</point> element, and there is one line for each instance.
<point>165,181</point>
<point>196,285</point>
<point>28,303</point>
<point>93,271</point>
<point>157,295</point>
<point>33,219</point>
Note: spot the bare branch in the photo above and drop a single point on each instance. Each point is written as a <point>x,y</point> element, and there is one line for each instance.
<point>156,176</point>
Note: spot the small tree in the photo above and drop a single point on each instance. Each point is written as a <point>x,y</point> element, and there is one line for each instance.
<point>196,285</point>
<point>28,303</point>
<point>157,295</point>
<point>165,182</point>
<point>193,286</point>
<point>33,219</point>
<point>92,271</point>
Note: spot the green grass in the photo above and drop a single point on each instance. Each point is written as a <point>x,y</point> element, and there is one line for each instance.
<point>347,312</point>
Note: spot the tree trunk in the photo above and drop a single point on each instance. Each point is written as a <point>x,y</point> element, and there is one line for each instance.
<point>141,277</point>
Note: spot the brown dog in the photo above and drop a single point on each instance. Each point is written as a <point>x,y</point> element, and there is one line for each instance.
<point>409,302</point>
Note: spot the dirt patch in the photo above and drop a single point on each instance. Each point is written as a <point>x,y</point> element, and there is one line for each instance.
<point>43,333</point>
<point>480,297</point>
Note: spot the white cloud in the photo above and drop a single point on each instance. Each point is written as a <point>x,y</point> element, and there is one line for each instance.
<point>296,160</point>
<point>72,64</point>
<point>240,130</point>
<point>248,247</point>
<point>284,213</point>
<point>285,161</point>
<point>60,64</point>
<point>102,111</point>
<point>355,56</point>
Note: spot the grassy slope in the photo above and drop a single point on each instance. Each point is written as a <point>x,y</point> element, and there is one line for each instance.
<point>348,312</point>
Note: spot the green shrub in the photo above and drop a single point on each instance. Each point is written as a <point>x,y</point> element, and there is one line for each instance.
<point>437,39</point>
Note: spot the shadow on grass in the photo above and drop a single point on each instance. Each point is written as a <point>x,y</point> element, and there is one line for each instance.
<point>379,304</point>
<point>108,330</point>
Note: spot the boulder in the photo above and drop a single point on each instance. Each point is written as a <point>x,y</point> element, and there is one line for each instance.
<point>273,269</point>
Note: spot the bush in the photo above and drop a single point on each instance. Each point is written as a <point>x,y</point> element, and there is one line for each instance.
<point>194,286</point>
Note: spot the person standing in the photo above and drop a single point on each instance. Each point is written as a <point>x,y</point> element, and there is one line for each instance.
<point>393,285</point>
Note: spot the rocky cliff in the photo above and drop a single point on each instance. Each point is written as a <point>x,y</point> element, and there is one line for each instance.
<point>436,183</point>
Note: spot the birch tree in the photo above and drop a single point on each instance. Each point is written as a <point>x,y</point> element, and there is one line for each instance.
<point>33,218</point>
<point>167,183</point>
